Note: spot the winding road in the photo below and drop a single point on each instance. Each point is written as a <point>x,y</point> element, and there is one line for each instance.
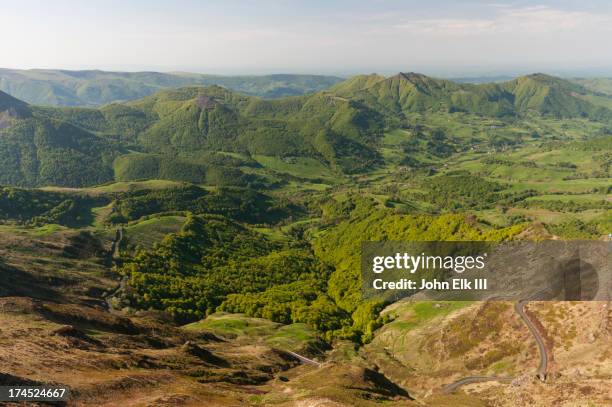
<point>519,307</point>
<point>449,388</point>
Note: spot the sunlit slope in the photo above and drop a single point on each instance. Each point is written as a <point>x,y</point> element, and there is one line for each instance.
<point>208,134</point>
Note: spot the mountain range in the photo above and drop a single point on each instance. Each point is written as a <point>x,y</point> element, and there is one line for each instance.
<point>95,87</point>
<point>203,133</point>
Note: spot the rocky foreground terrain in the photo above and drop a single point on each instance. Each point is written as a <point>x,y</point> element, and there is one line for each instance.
<point>56,328</point>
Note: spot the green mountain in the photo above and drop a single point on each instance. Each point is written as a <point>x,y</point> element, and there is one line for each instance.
<point>38,150</point>
<point>92,88</point>
<point>209,134</point>
<point>356,83</point>
<point>411,92</point>
<point>189,122</point>
<point>554,96</point>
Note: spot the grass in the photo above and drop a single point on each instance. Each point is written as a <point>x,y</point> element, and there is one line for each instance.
<point>272,234</point>
<point>303,167</point>
<point>47,230</point>
<point>147,232</point>
<point>293,186</point>
<point>234,325</point>
<point>414,314</point>
<point>100,214</point>
<point>121,186</point>
<point>287,337</point>
<point>581,186</point>
<point>395,137</point>
<point>292,337</point>
<point>552,217</point>
<point>501,366</point>
<point>581,198</point>
<point>41,231</point>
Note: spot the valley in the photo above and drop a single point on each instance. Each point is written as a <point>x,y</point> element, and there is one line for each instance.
<point>200,245</point>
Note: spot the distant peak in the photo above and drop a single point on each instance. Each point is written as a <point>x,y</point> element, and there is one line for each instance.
<point>540,77</point>
<point>412,77</point>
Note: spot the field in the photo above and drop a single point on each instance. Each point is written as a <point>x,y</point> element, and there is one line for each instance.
<point>147,232</point>
<point>293,337</point>
<point>297,166</point>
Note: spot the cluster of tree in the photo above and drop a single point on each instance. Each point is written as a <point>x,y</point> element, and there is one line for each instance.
<point>575,229</point>
<point>241,204</point>
<point>214,264</point>
<point>427,142</point>
<point>509,198</point>
<point>36,207</point>
<point>359,219</point>
<point>219,171</point>
<point>303,301</point>
<point>493,160</point>
<point>565,206</point>
<point>462,191</point>
<point>39,151</point>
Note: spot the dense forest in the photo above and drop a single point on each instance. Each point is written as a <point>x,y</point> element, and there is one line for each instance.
<point>213,264</point>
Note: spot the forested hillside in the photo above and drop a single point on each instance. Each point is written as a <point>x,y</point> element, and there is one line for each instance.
<point>210,134</point>
<point>237,221</point>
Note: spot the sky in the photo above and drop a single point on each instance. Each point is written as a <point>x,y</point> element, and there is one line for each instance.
<point>448,38</point>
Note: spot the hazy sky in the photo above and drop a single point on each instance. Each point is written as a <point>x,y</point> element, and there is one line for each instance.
<point>261,36</point>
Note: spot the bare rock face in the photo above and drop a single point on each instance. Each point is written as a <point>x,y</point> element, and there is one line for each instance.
<point>206,102</point>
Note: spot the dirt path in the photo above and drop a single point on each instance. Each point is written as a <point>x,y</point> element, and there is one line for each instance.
<point>304,359</point>
<point>117,244</point>
<point>115,259</point>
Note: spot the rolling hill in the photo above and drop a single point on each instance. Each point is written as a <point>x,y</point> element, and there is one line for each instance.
<point>203,134</point>
<point>223,263</point>
<point>92,88</point>
<point>412,92</point>
<point>40,150</point>
<point>597,85</point>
